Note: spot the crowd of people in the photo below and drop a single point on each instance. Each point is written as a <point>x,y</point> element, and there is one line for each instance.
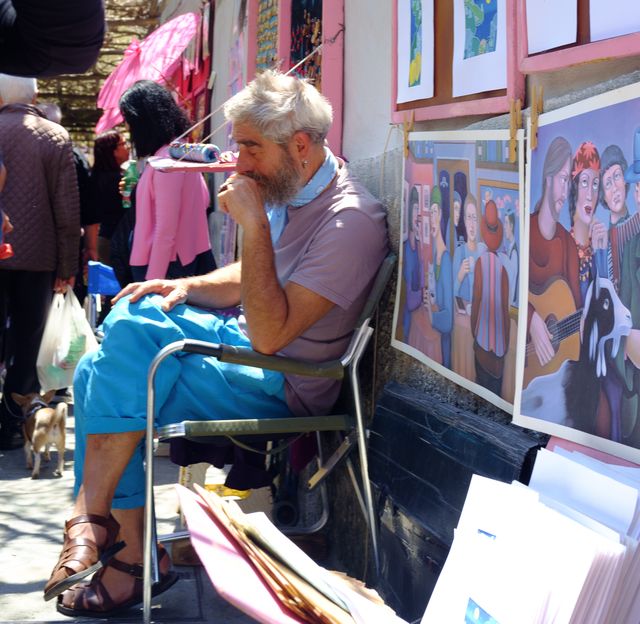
<point>61,213</point>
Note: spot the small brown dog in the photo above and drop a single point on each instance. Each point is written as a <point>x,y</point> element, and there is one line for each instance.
<point>43,426</point>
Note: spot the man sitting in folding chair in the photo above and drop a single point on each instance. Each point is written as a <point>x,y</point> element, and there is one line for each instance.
<point>314,239</point>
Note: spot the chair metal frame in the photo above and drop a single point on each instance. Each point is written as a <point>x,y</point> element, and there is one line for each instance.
<point>347,366</point>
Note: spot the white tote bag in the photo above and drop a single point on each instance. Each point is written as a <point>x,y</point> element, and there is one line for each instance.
<point>67,337</point>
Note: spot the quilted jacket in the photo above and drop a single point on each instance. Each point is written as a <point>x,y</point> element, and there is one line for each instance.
<point>41,193</point>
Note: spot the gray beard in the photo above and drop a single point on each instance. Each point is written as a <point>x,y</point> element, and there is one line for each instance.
<point>282,186</point>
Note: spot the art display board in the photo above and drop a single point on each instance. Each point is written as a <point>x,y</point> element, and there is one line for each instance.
<point>415,50</point>
<point>606,29</point>
<point>588,296</point>
<point>479,46</point>
<point>486,69</point>
<point>459,292</point>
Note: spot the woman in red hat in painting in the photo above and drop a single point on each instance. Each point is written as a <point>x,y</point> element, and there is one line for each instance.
<point>589,234</point>
<point>490,322</point>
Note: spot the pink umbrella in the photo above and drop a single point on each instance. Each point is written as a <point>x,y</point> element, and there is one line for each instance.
<point>156,58</point>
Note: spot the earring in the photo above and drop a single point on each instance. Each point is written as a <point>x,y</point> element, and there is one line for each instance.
<point>304,164</point>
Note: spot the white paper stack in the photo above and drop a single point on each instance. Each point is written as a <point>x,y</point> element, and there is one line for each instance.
<point>564,549</point>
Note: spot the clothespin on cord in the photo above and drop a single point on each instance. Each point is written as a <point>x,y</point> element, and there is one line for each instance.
<point>536,109</point>
<point>407,127</point>
<point>515,121</point>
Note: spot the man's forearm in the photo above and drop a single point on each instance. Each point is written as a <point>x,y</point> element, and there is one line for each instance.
<point>264,301</point>
<point>218,289</point>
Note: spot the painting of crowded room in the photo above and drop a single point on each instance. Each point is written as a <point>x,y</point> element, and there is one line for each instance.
<point>458,294</point>
<point>581,371</point>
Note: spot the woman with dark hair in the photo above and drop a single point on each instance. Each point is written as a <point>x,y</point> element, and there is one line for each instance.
<point>109,153</point>
<point>171,234</point>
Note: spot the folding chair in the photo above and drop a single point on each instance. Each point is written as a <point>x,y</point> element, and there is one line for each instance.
<point>352,425</point>
<point>101,280</point>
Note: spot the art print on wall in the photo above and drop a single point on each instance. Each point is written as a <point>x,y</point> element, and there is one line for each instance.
<point>481,27</point>
<point>458,298</point>
<point>581,373</point>
<point>415,50</point>
<point>479,46</point>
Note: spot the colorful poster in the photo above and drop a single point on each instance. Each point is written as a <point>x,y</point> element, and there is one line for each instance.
<point>306,35</point>
<point>481,27</point>
<point>415,50</point>
<point>581,373</point>
<point>458,299</point>
<point>479,46</point>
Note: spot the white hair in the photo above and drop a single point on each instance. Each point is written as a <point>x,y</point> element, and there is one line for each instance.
<point>279,106</point>
<point>17,90</point>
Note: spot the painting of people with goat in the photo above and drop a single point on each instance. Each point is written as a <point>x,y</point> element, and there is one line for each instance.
<point>580,376</point>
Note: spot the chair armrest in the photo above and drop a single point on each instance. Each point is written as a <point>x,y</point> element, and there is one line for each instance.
<point>193,429</point>
<point>243,355</point>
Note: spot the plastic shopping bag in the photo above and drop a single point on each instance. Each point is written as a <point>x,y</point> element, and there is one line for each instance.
<point>67,337</point>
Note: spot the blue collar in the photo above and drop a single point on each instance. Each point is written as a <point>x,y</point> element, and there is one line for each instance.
<point>320,180</point>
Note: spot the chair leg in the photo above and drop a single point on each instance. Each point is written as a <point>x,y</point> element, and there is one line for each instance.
<point>151,572</point>
<point>364,462</point>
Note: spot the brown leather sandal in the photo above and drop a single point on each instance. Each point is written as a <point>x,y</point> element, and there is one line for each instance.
<point>81,556</point>
<point>92,598</point>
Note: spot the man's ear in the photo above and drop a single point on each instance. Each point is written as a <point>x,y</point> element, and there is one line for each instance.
<point>301,144</point>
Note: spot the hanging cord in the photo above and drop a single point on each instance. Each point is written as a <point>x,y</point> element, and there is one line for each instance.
<point>212,113</point>
<point>313,52</point>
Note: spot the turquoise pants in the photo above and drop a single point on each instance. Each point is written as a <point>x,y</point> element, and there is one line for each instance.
<point>110,385</point>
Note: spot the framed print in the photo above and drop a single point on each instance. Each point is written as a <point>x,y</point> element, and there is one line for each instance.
<point>454,307</point>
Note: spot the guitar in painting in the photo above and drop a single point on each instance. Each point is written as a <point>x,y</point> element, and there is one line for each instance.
<point>557,309</point>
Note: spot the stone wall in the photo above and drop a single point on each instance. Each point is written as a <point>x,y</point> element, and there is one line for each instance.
<point>76,95</point>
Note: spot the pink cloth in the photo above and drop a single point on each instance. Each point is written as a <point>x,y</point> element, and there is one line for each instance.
<point>171,219</point>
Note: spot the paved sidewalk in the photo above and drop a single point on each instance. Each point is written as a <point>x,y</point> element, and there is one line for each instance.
<point>32,514</point>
